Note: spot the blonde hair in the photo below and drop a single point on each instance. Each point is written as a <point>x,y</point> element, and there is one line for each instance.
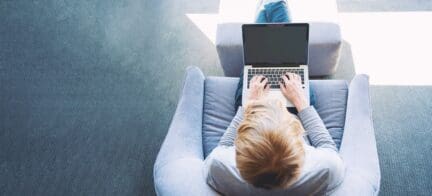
<point>269,146</point>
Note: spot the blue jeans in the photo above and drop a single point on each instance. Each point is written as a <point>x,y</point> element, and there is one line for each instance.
<point>275,12</point>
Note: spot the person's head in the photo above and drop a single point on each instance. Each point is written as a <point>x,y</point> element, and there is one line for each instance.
<point>269,146</point>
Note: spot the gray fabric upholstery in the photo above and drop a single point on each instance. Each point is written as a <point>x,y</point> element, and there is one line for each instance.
<point>330,103</point>
<point>324,48</point>
<point>229,46</point>
<point>330,95</point>
<point>358,148</point>
<point>178,169</point>
<point>179,163</point>
<point>218,109</point>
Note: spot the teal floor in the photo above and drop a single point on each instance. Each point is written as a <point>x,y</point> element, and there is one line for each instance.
<point>88,89</point>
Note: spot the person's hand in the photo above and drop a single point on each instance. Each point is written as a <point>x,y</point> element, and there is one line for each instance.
<point>292,89</point>
<point>258,87</point>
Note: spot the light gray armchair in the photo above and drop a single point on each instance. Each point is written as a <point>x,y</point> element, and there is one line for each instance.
<point>206,107</point>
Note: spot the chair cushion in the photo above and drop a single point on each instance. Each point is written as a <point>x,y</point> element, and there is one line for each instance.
<point>218,109</point>
<point>330,103</point>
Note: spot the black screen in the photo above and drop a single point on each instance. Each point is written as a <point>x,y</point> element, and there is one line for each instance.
<point>275,44</point>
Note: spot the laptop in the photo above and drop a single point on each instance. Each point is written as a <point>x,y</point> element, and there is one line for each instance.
<point>273,49</point>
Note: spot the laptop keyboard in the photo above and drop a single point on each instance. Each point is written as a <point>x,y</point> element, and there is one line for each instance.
<point>273,75</point>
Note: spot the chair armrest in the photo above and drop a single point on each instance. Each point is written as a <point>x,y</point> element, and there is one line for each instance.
<point>183,176</point>
<point>358,148</point>
<point>179,164</point>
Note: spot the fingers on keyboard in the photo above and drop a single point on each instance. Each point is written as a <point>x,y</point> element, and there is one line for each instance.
<point>274,76</point>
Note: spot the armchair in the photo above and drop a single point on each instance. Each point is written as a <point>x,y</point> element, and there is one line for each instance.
<point>206,108</point>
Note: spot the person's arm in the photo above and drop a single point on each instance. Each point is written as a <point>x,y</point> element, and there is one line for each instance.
<point>230,134</point>
<point>315,129</point>
<point>258,89</point>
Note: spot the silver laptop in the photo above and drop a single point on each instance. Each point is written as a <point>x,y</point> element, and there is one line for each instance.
<point>272,50</point>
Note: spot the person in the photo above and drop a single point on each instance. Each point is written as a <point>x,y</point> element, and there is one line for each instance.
<point>267,150</point>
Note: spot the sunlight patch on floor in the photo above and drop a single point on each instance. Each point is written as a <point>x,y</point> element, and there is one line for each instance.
<point>394,48</point>
<point>206,23</point>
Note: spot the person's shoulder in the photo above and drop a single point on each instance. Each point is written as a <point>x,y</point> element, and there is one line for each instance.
<point>221,162</point>
<point>222,155</point>
<point>221,171</point>
<point>327,161</point>
<point>324,158</point>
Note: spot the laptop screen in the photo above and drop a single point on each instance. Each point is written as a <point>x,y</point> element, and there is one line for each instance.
<point>273,44</point>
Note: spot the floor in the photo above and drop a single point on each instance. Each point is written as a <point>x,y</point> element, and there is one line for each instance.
<point>88,89</point>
